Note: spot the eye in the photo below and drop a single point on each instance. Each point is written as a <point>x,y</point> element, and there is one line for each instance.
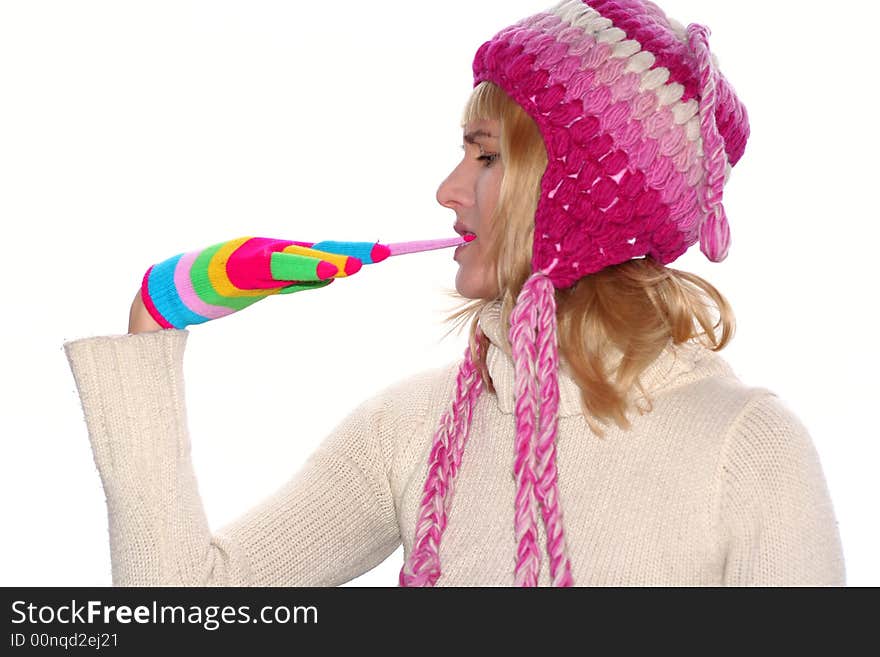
<point>488,158</point>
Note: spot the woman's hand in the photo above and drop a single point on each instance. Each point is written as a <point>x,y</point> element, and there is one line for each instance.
<point>196,287</point>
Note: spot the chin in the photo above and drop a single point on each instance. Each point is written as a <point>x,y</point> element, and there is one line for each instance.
<point>476,282</point>
<point>474,289</point>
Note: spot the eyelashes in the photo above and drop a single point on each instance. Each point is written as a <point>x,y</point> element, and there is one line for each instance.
<point>488,158</point>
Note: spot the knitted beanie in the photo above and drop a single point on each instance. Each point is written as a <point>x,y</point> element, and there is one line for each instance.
<point>641,130</point>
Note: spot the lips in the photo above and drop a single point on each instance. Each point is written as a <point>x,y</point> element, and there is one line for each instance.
<point>462,230</point>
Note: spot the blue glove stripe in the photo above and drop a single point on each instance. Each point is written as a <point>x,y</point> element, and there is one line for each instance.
<point>164,295</point>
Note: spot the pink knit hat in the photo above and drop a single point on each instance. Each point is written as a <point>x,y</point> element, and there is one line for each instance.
<point>641,130</point>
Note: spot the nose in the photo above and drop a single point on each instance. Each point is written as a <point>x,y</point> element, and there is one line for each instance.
<point>453,192</point>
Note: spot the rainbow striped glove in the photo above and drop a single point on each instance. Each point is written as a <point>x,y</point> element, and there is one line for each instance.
<point>195,287</point>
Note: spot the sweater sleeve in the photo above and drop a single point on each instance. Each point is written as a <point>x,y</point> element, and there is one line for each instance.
<point>775,506</point>
<point>334,520</point>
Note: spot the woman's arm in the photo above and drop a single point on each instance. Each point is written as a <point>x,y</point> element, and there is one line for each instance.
<point>775,507</point>
<point>139,319</point>
<point>333,521</point>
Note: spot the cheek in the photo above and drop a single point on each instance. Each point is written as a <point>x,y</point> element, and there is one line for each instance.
<point>488,203</point>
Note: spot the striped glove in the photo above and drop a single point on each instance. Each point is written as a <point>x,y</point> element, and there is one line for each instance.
<point>195,287</point>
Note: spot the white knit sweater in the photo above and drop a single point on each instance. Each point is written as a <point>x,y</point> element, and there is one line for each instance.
<point>719,485</point>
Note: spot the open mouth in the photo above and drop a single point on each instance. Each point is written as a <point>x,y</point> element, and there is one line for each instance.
<point>470,237</point>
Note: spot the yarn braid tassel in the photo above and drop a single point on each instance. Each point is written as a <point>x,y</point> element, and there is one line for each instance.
<point>522,340</point>
<point>546,489</point>
<point>715,230</point>
<point>423,566</point>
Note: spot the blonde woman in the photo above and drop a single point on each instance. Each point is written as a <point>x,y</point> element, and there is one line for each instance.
<point>591,435</point>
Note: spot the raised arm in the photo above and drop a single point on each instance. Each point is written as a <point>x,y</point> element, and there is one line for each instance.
<point>333,521</point>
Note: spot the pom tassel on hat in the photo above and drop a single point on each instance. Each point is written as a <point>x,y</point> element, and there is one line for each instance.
<point>715,231</point>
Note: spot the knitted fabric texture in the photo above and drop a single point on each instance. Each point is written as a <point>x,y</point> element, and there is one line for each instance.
<point>641,131</point>
<point>198,286</point>
<point>721,485</point>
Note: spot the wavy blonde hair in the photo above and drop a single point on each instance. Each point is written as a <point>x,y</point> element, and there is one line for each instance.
<point>634,308</point>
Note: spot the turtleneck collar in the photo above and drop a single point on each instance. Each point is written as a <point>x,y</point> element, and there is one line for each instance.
<point>676,365</point>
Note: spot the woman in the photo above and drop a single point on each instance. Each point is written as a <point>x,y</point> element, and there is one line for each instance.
<point>597,141</point>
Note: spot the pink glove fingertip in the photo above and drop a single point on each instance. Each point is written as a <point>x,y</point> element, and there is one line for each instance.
<point>352,265</point>
<point>379,252</point>
<point>326,270</point>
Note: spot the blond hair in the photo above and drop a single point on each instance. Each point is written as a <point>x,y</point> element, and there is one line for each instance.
<point>634,308</point>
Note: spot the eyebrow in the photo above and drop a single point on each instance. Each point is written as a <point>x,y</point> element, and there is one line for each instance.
<point>471,136</point>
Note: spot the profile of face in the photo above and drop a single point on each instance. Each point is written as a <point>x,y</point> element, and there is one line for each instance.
<point>472,190</point>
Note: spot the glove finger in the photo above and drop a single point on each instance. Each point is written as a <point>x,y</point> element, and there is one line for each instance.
<point>346,265</point>
<point>300,268</point>
<point>367,252</point>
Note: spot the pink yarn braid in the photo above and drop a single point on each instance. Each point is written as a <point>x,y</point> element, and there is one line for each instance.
<point>534,353</point>
<point>522,340</point>
<point>423,565</point>
<point>714,232</point>
<point>547,368</point>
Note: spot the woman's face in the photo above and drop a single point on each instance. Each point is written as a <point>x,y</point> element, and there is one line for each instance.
<point>472,191</point>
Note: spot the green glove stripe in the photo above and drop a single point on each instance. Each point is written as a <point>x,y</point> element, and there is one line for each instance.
<point>202,283</point>
<point>293,267</point>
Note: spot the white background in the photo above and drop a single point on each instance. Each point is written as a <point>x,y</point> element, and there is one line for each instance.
<point>133,131</point>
